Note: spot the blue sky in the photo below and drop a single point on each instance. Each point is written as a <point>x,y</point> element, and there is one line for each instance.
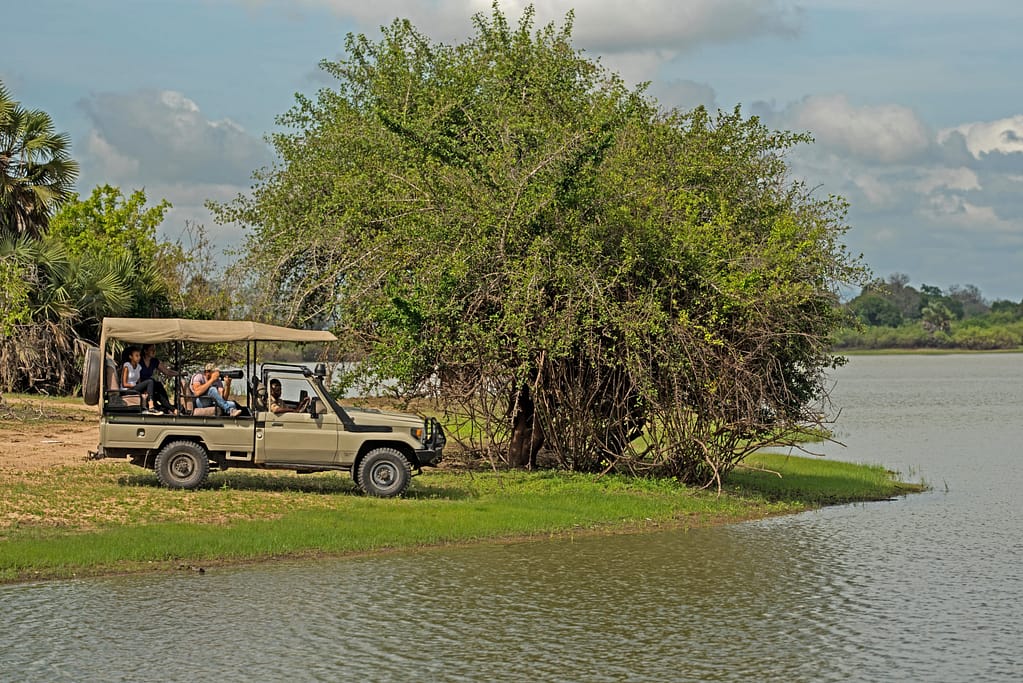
<point>915,106</point>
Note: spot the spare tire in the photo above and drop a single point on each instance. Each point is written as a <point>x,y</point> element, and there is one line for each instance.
<point>91,367</point>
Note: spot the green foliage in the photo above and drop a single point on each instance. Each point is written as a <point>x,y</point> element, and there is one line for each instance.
<point>957,319</point>
<point>110,240</point>
<point>936,316</point>
<point>969,336</point>
<point>875,310</point>
<point>504,223</point>
<point>36,174</point>
<point>109,225</point>
<point>101,257</point>
<point>15,285</point>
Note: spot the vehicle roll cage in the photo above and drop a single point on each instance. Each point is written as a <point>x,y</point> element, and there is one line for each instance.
<point>178,330</point>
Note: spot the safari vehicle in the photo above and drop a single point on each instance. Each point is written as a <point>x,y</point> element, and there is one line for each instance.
<point>380,450</point>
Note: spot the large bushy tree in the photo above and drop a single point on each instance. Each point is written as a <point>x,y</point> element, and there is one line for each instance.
<point>560,261</point>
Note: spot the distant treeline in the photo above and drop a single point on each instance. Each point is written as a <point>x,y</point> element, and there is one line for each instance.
<point>891,314</point>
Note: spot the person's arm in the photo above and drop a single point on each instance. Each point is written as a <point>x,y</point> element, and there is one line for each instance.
<point>166,373</point>
<point>278,407</point>
<point>201,389</point>
<point>226,392</point>
<point>124,377</point>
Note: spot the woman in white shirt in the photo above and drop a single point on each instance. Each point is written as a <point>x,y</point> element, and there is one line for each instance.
<point>131,376</point>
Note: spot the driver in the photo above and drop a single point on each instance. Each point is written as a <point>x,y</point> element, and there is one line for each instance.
<point>276,403</point>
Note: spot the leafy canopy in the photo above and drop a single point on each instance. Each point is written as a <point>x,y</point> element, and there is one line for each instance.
<point>562,262</point>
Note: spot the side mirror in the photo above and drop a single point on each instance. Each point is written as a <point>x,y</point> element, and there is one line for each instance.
<point>314,407</point>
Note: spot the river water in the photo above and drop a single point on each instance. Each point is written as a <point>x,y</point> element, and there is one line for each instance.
<point>924,588</point>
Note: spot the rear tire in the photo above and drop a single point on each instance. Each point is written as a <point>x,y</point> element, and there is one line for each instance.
<point>182,465</point>
<point>91,367</point>
<point>384,473</point>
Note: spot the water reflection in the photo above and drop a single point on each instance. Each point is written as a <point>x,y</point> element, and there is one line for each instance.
<point>923,588</point>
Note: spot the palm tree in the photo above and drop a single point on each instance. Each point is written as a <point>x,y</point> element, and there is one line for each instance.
<point>64,300</point>
<point>36,174</point>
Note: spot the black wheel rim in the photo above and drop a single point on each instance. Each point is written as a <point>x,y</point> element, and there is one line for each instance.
<point>182,467</point>
<point>383,475</point>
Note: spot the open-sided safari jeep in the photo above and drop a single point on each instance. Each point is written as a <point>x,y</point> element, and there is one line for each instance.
<point>381,450</point>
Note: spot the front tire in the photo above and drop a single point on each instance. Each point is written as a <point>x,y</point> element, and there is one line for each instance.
<point>182,465</point>
<point>384,473</point>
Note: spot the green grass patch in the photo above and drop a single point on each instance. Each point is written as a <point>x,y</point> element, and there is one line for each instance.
<point>815,481</point>
<point>111,517</point>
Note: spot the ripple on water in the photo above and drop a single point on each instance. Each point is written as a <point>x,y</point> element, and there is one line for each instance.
<point>926,588</point>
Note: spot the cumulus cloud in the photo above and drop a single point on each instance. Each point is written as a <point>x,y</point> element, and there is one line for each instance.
<point>613,26</point>
<point>881,133</point>
<point>104,155</point>
<point>164,136</point>
<point>633,38</point>
<point>604,25</point>
<point>961,178</point>
<point>162,141</point>
<point>985,137</point>
<point>932,204</point>
<point>959,212</point>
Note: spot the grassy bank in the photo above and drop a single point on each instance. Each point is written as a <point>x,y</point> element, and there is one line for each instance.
<point>107,517</point>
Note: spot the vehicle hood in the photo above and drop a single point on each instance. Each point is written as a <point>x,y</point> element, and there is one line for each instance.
<point>372,416</point>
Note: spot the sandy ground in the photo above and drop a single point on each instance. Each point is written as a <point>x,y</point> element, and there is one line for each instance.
<point>33,444</point>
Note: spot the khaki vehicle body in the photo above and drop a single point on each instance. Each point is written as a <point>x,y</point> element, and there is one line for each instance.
<point>380,449</point>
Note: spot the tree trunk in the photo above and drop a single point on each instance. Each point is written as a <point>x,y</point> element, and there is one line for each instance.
<point>527,435</point>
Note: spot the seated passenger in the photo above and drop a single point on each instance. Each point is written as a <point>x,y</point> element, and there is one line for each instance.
<point>131,377</point>
<point>150,365</point>
<point>207,387</point>
<point>277,405</point>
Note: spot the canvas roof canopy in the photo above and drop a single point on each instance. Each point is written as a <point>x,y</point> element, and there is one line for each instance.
<point>159,330</point>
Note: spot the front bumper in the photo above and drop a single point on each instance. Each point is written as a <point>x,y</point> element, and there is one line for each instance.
<point>433,444</point>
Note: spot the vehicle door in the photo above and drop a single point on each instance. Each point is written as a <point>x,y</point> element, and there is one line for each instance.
<point>297,437</point>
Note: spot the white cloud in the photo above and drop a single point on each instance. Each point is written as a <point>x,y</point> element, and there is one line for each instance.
<point>882,133</point>
<point>164,136</point>
<point>984,137</point>
<point>104,156</point>
<point>961,178</point>
<point>876,190</point>
<point>960,213</point>
<point>603,25</point>
<point>614,26</point>
<point>162,141</point>
<point>634,39</point>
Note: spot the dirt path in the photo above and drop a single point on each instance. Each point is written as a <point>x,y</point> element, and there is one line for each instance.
<point>37,434</point>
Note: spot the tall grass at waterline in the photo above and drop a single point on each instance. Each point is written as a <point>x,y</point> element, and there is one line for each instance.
<point>111,517</point>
